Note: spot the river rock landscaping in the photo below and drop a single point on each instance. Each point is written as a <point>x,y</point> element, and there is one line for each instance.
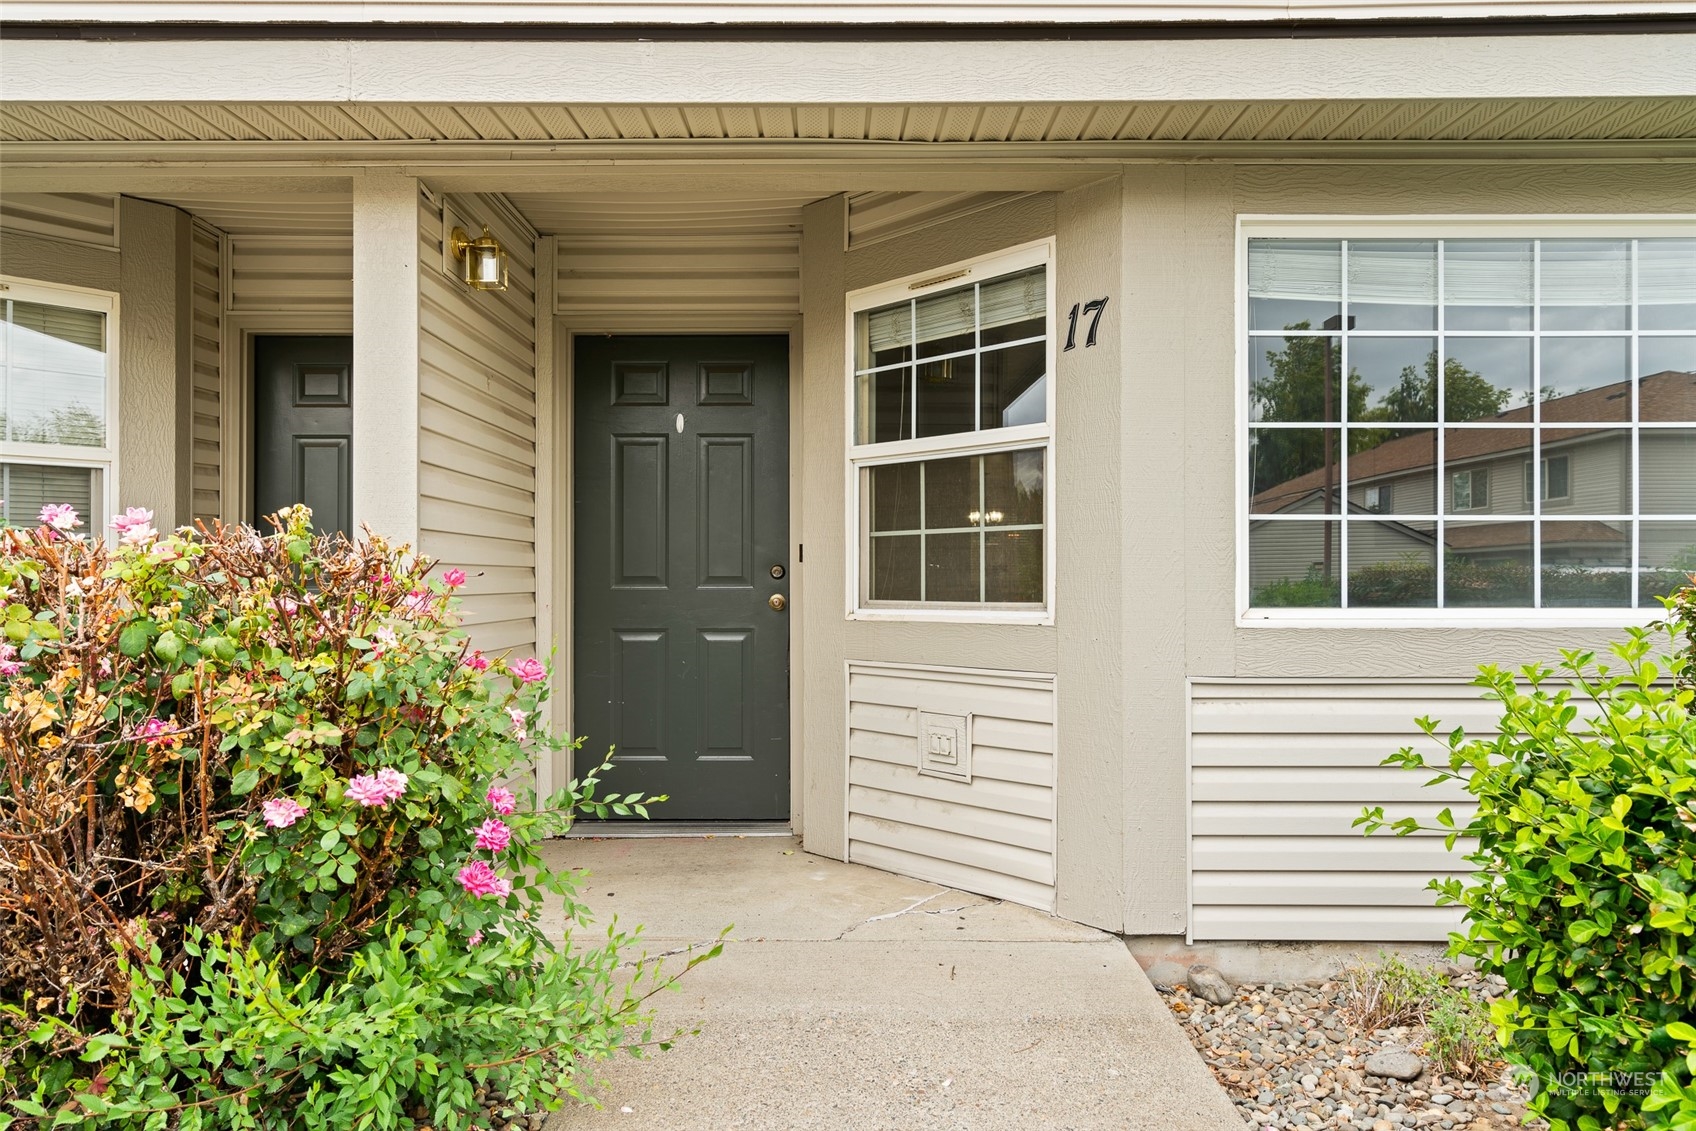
<point>1292,1056</point>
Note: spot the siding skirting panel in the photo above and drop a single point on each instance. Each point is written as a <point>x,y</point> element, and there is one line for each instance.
<point>1278,773</point>
<point>992,834</point>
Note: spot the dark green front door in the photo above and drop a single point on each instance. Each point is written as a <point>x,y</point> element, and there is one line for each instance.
<point>680,662</point>
<point>303,427</point>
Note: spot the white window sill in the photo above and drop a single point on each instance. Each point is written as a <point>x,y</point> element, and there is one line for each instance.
<point>1618,619</point>
<point>955,616</point>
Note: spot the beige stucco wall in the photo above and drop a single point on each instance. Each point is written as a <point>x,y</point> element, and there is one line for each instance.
<point>1083,647</point>
<point>1145,491</point>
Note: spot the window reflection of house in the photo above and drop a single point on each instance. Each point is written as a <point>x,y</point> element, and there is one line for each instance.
<point>1584,471</point>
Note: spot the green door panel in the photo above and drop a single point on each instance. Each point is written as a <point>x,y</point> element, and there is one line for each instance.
<point>303,427</point>
<point>681,496</point>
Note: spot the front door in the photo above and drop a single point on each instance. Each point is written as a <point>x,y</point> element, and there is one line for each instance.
<point>303,428</point>
<point>681,642</point>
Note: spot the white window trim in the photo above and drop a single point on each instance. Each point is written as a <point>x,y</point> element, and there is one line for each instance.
<point>103,460</point>
<point>859,456</point>
<point>1424,226</point>
<point>1541,481</point>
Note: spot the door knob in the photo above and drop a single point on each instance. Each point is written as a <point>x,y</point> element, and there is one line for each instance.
<point>776,601</point>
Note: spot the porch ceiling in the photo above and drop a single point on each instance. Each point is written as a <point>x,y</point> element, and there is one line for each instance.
<point>1389,120</point>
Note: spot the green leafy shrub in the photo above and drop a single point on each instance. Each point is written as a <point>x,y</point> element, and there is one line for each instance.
<point>261,860</point>
<point>1583,847</point>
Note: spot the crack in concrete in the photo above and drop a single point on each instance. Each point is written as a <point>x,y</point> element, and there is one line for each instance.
<point>915,908</point>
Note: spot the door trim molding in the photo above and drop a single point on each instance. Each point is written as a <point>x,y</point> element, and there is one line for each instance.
<point>557,501</point>
<point>236,331</point>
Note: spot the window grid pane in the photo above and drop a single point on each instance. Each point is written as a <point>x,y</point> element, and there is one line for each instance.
<point>1591,429</point>
<point>979,532</point>
<point>970,359</point>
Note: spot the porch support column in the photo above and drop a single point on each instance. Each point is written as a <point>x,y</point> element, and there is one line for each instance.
<point>155,359</point>
<point>385,355</point>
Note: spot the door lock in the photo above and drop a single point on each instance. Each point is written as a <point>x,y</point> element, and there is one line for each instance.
<point>776,601</point>
<point>777,573</point>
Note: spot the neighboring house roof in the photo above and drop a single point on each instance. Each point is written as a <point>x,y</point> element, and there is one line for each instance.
<point>1669,395</point>
<point>1516,535</point>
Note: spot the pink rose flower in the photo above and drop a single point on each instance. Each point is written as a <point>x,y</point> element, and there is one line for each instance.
<point>155,731</point>
<point>477,662</point>
<point>392,781</point>
<point>367,790</point>
<point>135,526</point>
<point>417,603</point>
<point>60,516</point>
<point>520,720</point>
<point>281,812</point>
<point>478,879</point>
<point>453,578</point>
<point>474,938</point>
<point>529,670</point>
<point>501,800</point>
<point>9,664</point>
<point>493,836</point>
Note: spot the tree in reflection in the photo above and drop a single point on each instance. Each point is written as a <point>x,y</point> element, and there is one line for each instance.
<point>1467,394</point>
<point>71,424</point>
<point>1296,390</point>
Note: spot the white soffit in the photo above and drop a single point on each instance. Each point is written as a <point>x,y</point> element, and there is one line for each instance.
<point>680,12</point>
<point>284,215</point>
<point>1340,120</point>
<point>661,216</point>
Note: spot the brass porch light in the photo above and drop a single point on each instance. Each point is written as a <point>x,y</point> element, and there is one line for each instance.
<point>482,260</point>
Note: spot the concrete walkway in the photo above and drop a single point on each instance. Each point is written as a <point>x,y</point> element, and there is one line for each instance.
<point>851,998</point>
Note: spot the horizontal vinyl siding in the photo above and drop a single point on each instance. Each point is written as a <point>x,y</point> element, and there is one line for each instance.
<point>477,426</point>
<point>88,218</point>
<point>742,280</point>
<point>291,273</point>
<point>994,834</point>
<point>876,216</point>
<point>208,303</point>
<point>1278,773</point>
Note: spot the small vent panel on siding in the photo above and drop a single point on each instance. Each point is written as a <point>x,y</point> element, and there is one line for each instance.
<point>876,216</point>
<point>477,425</point>
<point>993,835</point>
<point>1277,774</point>
<point>78,217</point>
<point>208,312</point>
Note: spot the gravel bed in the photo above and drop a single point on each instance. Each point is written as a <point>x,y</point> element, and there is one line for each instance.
<point>1289,1058</point>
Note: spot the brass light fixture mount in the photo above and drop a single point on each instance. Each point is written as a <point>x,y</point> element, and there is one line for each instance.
<point>482,260</point>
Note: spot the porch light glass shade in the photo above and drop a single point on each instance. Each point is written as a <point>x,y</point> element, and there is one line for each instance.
<point>482,260</point>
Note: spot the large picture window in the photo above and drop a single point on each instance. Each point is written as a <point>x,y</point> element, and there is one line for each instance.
<point>57,398</point>
<point>949,458</point>
<point>1474,419</point>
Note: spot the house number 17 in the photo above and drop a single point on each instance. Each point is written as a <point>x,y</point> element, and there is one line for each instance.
<point>1094,306</point>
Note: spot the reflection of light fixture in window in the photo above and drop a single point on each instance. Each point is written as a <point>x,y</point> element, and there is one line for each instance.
<point>483,260</point>
<point>937,372</point>
<point>991,517</point>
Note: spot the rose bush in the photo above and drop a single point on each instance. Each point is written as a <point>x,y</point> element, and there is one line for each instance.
<point>266,858</point>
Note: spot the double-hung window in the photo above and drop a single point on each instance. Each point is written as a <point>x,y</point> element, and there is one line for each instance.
<point>58,395</point>
<point>951,402</point>
<point>1481,416</point>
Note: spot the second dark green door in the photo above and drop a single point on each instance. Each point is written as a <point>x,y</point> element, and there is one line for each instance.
<point>680,659</point>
